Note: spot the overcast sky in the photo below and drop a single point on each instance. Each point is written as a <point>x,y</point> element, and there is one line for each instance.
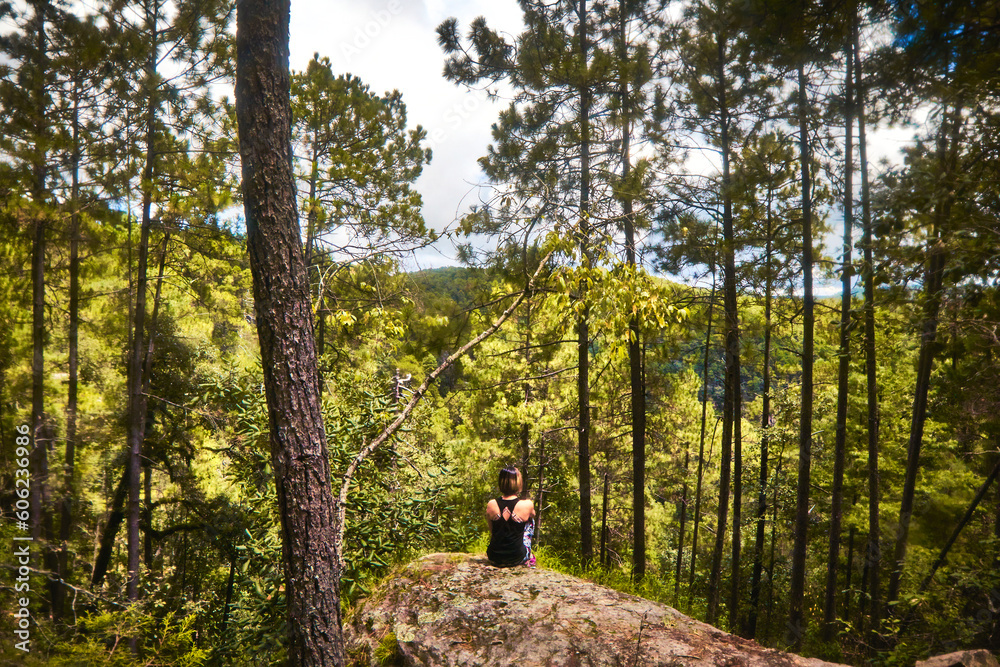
<point>392,44</point>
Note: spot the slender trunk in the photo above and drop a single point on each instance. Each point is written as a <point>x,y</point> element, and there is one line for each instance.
<point>116,514</point>
<point>873,555</point>
<point>137,400</point>
<point>843,369</point>
<point>796,618</point>
<point>933,293</point>
<point>137,411</point>
<point>866,570</point>
<point>958,529</point>
<point>310,242</point>
<point>310,527</point>
<point>311,218</point>
<point>147,536</point>
<point>848,595</point>
<point>701,445</point>
<point>229,596</point>
<point>147,376</point>
<point>765,430</point>
<point>525,426</point>
<point>40,435</point>
<point>603,557</point>
<point>774,541</point>
<point>637,380</point>
<point>72,397</point>
<point>582,329</point>
<point>682,517</point>
<point>731,403</point>
<point>539,492</point>
<point>40,521</point>
<point>107,539</point>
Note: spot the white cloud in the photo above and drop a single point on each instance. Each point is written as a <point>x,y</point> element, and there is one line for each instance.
<point>392,45</point>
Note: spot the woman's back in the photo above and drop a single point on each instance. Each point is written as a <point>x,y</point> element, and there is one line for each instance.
<point>508,520</point>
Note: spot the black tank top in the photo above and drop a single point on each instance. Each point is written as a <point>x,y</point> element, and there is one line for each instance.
<point>507,536</point>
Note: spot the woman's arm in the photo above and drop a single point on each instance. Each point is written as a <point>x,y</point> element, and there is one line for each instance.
<point>492,511</point>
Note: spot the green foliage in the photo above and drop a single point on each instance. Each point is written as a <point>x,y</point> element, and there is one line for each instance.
<point>169,640</point>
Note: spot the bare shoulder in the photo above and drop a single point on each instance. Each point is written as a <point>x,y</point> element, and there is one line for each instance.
<point>525,508</point>
<point>492,509</point>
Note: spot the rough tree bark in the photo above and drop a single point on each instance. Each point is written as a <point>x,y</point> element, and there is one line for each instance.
<point>285,329</point>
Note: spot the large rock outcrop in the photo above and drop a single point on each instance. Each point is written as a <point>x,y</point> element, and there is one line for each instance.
<point>455,609</point>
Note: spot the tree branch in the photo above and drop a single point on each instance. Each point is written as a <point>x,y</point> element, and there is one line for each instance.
<point>418,394</point>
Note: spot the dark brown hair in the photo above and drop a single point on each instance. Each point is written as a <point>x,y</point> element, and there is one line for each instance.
<point>511,481</point>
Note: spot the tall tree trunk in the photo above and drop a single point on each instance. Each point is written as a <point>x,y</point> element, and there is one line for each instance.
<point>844,360</point>
<point>774,542</point>
<point>682,520</point>
<point>308,510</point>
<point>539,491</point>
<point>147,377</point>
<point>41,430</point>
<point>525,426</point>
<point>137,399</point>
<point>107,540</point>
<point>796,618</point>
<point>933,293</point>
<point>115,516</point>
<point>701,444</point>
<point>873,556</point>
<point>731,401</point>
<point>849,568</point>
<point>765,429</point>
<point>637,380</point>
<point>72,397</point>
<point>603,556</point>
<point>582,329</point>
<point>137,405</point>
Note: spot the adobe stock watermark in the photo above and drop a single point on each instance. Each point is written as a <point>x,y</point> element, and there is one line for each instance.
<point>21,549</point>
<point>367,33</point>
<point>454,117</point>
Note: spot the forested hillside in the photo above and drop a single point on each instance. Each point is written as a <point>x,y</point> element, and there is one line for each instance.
<point>227,408</point>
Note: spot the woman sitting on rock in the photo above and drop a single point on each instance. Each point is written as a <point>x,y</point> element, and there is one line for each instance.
<point>511,523</point>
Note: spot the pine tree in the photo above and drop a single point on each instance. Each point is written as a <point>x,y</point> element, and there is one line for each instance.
<point>723,88</point>
<point>284,323</point>
<point>542,148</point>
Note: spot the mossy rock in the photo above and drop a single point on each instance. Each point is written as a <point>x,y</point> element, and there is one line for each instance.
<point>456,609</point>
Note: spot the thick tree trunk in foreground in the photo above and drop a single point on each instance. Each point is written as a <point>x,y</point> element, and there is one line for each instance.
<point>285,330</point>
